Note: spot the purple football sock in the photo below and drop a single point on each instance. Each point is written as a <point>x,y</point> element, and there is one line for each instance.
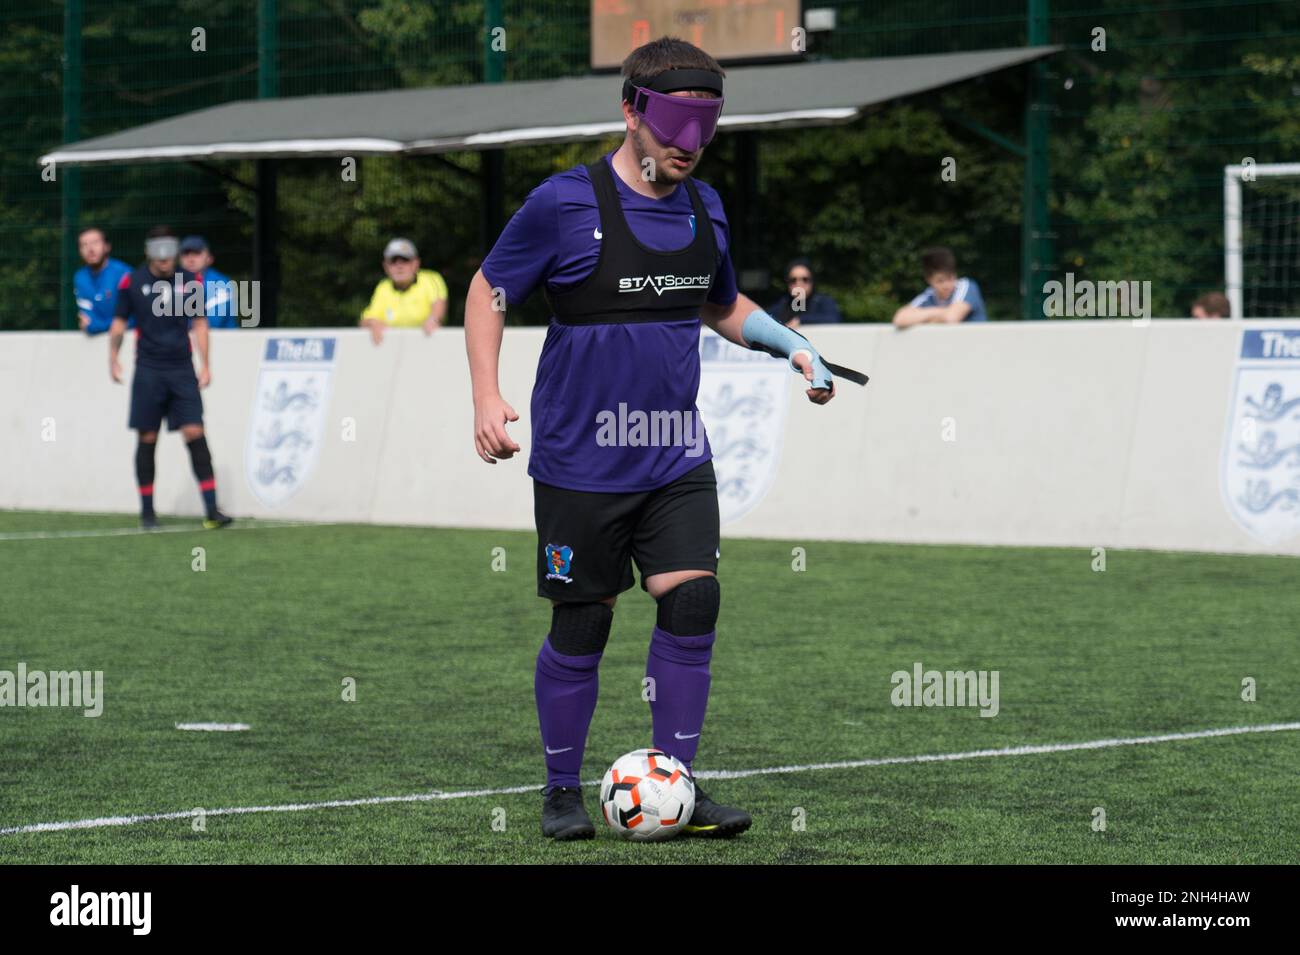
<point>679,667</point>
<point>566,689</point>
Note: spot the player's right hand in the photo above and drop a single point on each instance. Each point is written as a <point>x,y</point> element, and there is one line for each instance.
<point>115,370</point>
<point>490,439</point>
<point>492,442</point>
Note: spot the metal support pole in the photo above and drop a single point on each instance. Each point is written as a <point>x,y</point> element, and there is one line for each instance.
<point>266,250</point>
<point>1037,256</point>
<point>492,185</point>
<point>70,177</point>
<point>1232,238</point>
<point>747,260</point>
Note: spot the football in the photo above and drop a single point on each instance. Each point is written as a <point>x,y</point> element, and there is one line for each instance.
<point>647,796</point>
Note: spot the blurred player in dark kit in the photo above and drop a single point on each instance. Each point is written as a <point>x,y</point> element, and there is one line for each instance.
<point>164,302</point>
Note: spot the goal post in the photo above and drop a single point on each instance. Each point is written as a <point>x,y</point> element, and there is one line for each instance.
<point>1261,240</point>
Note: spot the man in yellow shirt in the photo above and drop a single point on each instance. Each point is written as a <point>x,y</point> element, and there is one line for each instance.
<point>410,297</point>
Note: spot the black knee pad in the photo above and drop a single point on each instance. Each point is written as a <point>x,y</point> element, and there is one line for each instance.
<point>691,609</point>
<point>580,629</point>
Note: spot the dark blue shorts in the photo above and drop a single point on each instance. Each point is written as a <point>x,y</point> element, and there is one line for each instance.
<point>170,391</point>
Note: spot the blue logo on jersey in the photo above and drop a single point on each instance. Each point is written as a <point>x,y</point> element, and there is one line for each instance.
<point>692,218</point>
<point>559,558</point>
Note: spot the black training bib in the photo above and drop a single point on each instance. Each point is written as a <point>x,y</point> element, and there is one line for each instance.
<point>632,283</point>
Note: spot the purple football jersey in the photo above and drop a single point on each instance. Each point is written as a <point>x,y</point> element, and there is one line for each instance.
<point>603,390</point>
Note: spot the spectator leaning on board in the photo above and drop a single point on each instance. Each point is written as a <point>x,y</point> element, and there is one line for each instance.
<point>411,297</point>
<point>947,298</point>
<point>95,283</point>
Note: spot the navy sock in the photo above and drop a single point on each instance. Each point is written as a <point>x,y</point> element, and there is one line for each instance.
<point>201,459</point>
<point>144,471</point>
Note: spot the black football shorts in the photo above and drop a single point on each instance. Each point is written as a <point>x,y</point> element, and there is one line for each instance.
<point>587,540</point>
<point>173,392</point>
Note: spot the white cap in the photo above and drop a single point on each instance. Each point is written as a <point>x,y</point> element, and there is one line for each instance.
<point>160,248</point>
<point>400,247</point>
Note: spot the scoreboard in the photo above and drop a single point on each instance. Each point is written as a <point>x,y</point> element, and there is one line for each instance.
<point>725,29</point>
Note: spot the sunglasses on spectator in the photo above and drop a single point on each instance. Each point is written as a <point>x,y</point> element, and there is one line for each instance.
<point>798,279</point>
<point>398,258</point>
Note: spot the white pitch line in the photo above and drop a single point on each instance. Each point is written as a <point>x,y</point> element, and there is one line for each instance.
<point>1004,751</point>
<point>214,727</point>
<point>134,531</point>
<point>107,821</point>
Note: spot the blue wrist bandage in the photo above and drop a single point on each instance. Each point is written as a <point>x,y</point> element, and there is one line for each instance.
<point>765,333</point>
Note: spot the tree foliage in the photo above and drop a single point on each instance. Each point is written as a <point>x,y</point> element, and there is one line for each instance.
<point>1139,135</point>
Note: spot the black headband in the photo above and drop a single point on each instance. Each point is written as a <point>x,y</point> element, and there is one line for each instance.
<point>672,81</point>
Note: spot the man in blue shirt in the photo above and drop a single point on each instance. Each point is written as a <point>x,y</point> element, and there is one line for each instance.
<point>219,299</point>
<point>947,299</point>
<point>95,283</point>
<point>631,253</point>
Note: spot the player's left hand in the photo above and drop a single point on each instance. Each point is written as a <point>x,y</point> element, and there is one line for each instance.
<point>818,396</point>
<point>205,378</point>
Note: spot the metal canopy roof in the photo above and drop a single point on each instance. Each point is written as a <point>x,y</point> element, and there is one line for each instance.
<point>493,115</point>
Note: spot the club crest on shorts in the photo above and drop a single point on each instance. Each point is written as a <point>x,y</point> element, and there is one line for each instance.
<point>559,559</point>
<point>1260,471</point>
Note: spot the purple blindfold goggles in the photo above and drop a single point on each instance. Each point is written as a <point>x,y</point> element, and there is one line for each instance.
<point>687,122</point>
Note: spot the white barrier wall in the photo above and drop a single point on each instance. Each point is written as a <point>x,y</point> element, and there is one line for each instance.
<point>1077,434</point>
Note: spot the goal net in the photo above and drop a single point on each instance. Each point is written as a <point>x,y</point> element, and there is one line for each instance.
<point>1261,239</point>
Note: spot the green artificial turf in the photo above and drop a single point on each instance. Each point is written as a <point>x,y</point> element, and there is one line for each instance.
<point>441,647</point>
